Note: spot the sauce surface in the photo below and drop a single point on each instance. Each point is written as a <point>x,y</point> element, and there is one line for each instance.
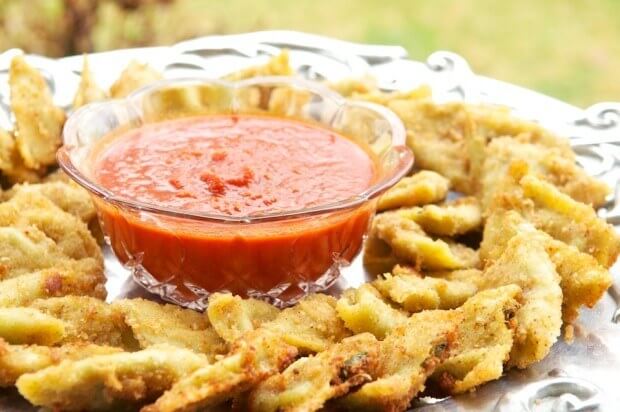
<point>234,165</point>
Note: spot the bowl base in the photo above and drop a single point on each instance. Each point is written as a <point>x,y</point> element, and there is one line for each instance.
<point>194,297</point>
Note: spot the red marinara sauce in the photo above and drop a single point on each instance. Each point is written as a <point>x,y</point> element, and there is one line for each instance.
<point>238,166</point>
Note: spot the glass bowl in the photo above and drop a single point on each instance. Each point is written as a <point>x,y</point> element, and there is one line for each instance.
<point>183,256</point>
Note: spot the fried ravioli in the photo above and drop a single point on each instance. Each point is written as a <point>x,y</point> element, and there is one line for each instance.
<point>422,188</point>
<point>497,121</point>
<point>38,122</point>
<point>67,231</point>
<point>409,354</point>
<point>88,91</point>
<point>23,290</point>
<point>583,279</point>
<point>438,135</point>
<point>378,255</point>
<point>88,319</point>
<point>571,222</point>
<point>39,235</point>
<point>525,262</point>
<point>565,219</point>
<point>276,66</point>
<point>12,165</point>
<point>135,76</point>
<point>232,316</point>
<point>485,325</point>
<point>17,360</point>
<point>415,293</point>
<point>109,381</point>
<point>549,163</point>
<point>452,218</point>
<point>363,310</point>
<point>153,323</point>
<point>66,195</point>
<point>29,326</point>
<point>258,355</point>
<point>311,381</point>
<point>25,250</point>
<point>310,326</point>
<point>410,242</point>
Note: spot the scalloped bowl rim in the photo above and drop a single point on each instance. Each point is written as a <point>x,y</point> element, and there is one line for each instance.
<point>398,146</point>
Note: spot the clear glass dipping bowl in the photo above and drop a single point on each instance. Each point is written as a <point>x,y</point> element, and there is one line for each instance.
<point>183,256</point>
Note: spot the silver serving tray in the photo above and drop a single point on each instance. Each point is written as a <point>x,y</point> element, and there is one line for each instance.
<point>574,377</point>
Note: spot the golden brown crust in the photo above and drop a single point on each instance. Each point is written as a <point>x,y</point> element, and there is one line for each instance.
<point>38,122</point>
<point>36,234</point>
<point>484,340</point>
<point>525,263</point>
<point>232,316</point>
<point>310,326</point>
<point>422,188</point>
<point>415,292</point>
<point>88,91</point>
<point>364,310</point>
<point>135,76</point>
<point>311,381</point>
<point>378,255</point>
<point>109,381</point>
<point>276,66</point>
<point>88,319</point>
<point>583,279</point>
<point>12,164</point>
<point>409,242</point>
<point>409,354</point>
<point>452,218</point>
<point>46,283</point>
<point>438,136</point>
<point>17,360</point>
<point>30,326</point>
<point>565,219</point>
<point>152,323</point>
<point>67,195</point>
<point>548,163</point>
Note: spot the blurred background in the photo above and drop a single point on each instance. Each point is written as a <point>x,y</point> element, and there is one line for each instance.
<point>569,49</point>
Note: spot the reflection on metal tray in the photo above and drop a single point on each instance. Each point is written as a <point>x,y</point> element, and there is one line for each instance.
<point>574,377</point>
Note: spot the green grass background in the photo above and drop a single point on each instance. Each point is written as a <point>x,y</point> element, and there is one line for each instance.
<point>566,48</point>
